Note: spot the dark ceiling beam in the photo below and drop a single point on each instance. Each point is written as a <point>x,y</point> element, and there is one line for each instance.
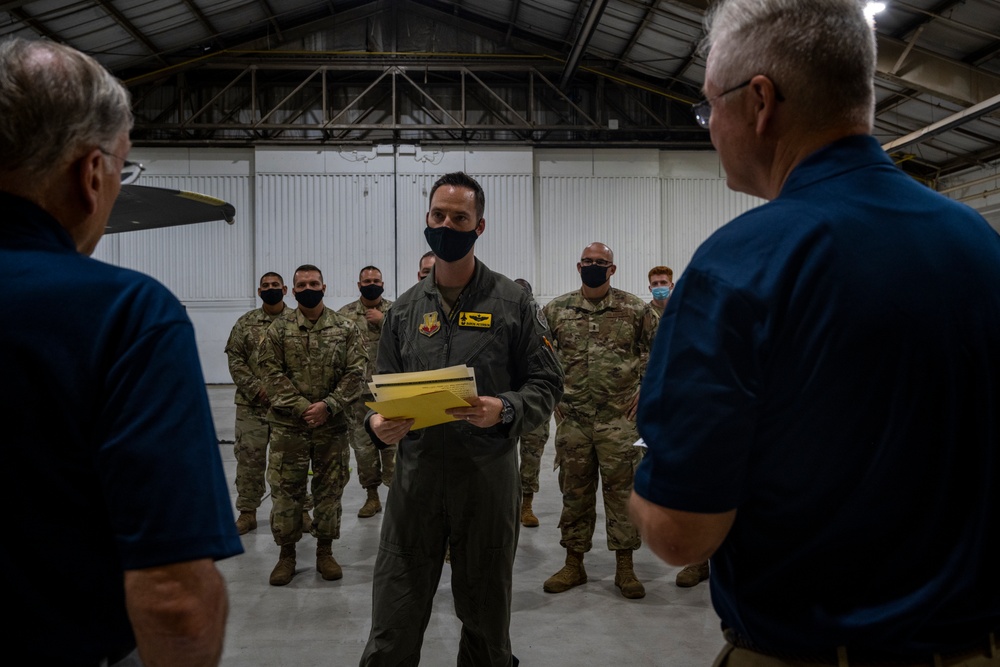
<point>8,6</point>
<point>36,25</point>
<point>200,15</point>
<point>945,124</point>
<point>650,11</point>
<point>924,18</point>
<point>587,31</point>
<point>136,34</point>
<point>985,54</point>
<point>269,13</point>
<point>512,20</point>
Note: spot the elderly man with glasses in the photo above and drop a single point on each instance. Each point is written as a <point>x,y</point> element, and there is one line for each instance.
<point>603,336</point>
<point>821,402</point>
<point>103,395</point>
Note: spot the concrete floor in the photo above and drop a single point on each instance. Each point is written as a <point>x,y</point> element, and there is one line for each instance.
<point>314,622</point>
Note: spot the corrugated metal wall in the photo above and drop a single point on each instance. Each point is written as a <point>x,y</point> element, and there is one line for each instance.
<point>207,262</point>
<point>621,212</point>
<point>338,222</point>
<point>693,208</point>
<point>344,209</point>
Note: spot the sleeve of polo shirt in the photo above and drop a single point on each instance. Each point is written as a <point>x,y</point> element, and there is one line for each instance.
<point>158,461</point>
<point>696,411</point>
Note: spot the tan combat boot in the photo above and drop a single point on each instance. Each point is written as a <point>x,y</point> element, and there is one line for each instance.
<point>692,575</point>
<point>528,518</point>
<point>285,569</point>
<point>572,574</point>
<point>372,506</point>
<point>246,522</point>
<point>625,576</point>
<point>326,565</point>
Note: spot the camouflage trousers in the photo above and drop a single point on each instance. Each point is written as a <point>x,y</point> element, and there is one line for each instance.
<point>252,432</point>
<point>531,447</point>
<point>585,451</point>
<point>374,466</point>
<point>292,451</point>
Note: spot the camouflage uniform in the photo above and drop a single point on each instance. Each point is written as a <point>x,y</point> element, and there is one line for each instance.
<point>374,467</point>
<point>531,447</point>
<point>603,349</point>
<point>252,431</point>
<point>303,362</point>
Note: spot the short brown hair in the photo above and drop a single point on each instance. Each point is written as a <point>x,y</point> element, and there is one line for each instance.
<point>658,270</point>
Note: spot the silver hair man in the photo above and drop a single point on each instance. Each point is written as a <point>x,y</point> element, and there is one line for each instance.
<point>58,106</point>
<point>788,438</point>
<point>103,394</point>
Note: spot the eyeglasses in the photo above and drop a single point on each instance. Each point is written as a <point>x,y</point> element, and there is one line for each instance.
<point>130,170</point>
<point>703,110</point>
<point>587,261</point>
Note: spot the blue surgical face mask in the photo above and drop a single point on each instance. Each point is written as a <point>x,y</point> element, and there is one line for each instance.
<point>661,293</point>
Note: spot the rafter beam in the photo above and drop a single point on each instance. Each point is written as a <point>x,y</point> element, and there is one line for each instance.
<point>934,74</point>
<point>931,14</point>
<point>945,124</point>
<point>200,15</point>
<point>650,11</point>
<point>512,20</point>
<point>587,30</point>
<point>269,13</point>
<point>126,25</point>
<point>35,25</point>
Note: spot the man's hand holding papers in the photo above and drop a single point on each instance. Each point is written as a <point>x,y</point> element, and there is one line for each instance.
<point>406,401</point>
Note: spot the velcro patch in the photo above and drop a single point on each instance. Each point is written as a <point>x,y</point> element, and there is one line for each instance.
<point>475,320</point>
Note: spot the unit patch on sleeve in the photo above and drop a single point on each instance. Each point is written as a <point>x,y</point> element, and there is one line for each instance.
<point>475,320</point>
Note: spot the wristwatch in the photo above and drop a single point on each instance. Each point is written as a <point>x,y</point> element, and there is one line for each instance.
<point>507,412</point>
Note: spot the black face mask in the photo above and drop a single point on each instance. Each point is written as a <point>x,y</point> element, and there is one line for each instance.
<point>372,292</point>
<point>449,245</point>
<point>272,297</point>
<point>594,275</point>
<point>309,298</point>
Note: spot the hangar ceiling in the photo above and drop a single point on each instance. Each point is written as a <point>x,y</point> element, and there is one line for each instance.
<point>531,72</point>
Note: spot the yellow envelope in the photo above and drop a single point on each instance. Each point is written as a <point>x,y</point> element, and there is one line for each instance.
<point>425,409</point>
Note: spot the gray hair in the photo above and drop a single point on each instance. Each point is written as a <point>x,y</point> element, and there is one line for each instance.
<point>819,53</point>
<point>54,102</point>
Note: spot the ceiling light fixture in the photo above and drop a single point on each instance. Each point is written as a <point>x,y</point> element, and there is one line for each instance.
<point>871,9</point>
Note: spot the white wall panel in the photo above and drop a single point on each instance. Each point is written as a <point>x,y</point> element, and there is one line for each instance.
<point>208,261</point>
<point>622,212</point>
<point>508,243</point>
<point>693,209</point>
<point>338,222</point>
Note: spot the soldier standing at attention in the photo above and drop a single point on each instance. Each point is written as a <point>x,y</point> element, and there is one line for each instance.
<point>603,336</point>
<point>374,467</point>
<point>313,363</point>
<point>252,431</point>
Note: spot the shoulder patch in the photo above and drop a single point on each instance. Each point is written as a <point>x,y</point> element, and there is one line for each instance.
<point>540,316</point>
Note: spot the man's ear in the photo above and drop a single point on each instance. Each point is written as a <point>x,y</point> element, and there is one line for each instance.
<point>765,99</point>
<point>481,226</point>
<point>91,177</point>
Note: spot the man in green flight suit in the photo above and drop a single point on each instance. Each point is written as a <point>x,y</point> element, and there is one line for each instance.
<point>457,483</point>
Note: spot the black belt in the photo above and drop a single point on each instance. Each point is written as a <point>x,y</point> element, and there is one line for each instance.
<point>865,658</point>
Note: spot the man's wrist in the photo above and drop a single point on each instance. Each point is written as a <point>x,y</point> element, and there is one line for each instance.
<point>506,411</point>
